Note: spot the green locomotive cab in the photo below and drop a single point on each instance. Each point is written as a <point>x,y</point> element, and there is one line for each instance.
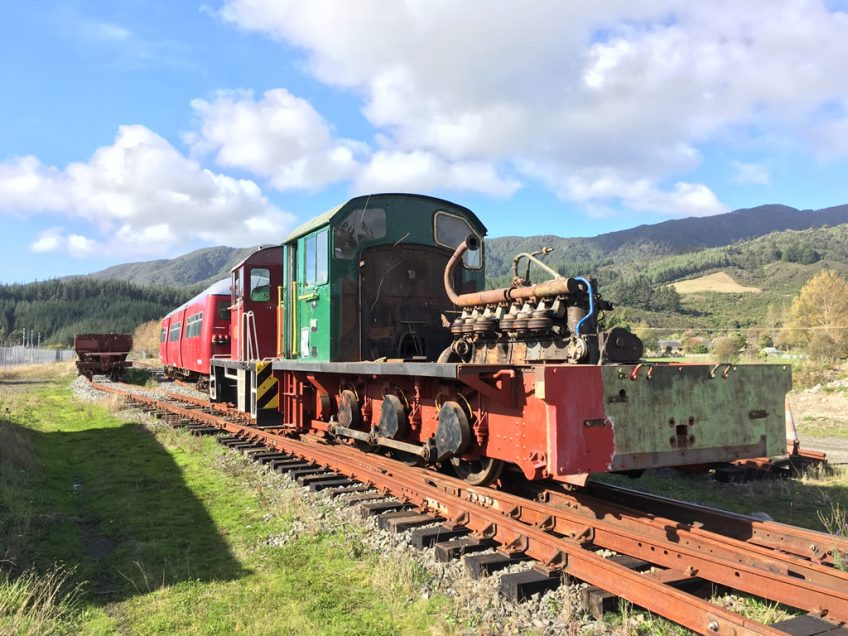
<point>364,280</point>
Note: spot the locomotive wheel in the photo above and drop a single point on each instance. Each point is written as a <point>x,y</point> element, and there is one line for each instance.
<point>478,472</point>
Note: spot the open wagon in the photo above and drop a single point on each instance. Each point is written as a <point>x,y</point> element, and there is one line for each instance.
<point>103,354</point>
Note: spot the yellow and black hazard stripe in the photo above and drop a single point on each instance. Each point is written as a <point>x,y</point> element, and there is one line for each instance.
<point>266,387</point>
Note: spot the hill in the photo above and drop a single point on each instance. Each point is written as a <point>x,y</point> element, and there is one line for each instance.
<point>199,268</point>
<point>571,255</point>
<point>677,236</point>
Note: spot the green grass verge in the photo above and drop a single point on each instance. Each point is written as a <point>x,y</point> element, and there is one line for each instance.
<point>166,533</point>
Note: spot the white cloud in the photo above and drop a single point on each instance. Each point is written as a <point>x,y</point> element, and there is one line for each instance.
<point>633,89</point>
<point>143,196</point>
<point>423,171</point>
<point>751,173</point>
<point>49,240</point>
<point>279,136</point>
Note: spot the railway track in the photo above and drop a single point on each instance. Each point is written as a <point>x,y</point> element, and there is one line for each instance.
<point>657,553</point>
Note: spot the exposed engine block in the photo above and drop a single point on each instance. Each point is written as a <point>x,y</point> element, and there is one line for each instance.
<point>553,321</point>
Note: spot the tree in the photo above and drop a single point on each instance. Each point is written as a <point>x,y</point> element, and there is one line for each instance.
<point>146,339</point>
<point>821,307</point>
<point>726,349</point>
<point>648,336</point>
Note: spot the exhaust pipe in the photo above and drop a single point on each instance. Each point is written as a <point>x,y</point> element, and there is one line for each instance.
<point>547,289</point>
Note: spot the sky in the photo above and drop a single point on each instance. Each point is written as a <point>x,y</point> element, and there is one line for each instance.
<point>141,129</point>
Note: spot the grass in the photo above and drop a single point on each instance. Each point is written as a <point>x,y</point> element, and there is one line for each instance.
<point>166,533</point>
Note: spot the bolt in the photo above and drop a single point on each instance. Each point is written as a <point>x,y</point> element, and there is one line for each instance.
<point>712,626</point>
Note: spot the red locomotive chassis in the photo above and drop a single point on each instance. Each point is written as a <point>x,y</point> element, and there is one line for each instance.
<point>560,422</point>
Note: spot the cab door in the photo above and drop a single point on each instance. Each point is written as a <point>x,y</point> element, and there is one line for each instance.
<point>312,335</point>
<point>236,311</point>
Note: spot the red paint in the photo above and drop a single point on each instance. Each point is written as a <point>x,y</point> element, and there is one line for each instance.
<point>192,354</point>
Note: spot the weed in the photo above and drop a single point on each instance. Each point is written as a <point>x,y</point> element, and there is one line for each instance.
<point>38,604</point>
<point>835,521</point>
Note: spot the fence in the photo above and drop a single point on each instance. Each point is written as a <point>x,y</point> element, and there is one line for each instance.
<point>10,356</point>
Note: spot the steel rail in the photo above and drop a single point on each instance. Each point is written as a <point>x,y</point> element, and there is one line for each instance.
<point>555,537</point>
<point>695,537</point>
<point>816,546</point>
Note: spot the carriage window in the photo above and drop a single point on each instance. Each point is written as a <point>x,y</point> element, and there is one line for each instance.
<point>162,334</point>
<point>452,230</point>
<point>175,332</point>
<point>223,310</point>
<point>260,284</point>
<point>315,263</point>
<point>368,224</point>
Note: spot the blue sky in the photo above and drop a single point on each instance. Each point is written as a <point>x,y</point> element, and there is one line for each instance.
<point>133,130</point>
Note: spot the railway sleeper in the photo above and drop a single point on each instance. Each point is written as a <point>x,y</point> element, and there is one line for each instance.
<point>324,475</point>
<point>428,537</point>
<point>340,482</point>
<point>336,491</point>
<point>598,601</point>
<point>365,497</point>
<point>379,507</point>
<point>810,625</point>
<point>199,431</point>
<point>267,458</point>
<point>312,469</point>
<point>480,565</point>
<point>456,548</point>
<point>403,520</point>
<point>285,465</point>
<point>519,586</point>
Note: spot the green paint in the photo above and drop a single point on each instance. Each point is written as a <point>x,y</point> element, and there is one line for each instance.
<point>696,401</point>
<point>326,312</point>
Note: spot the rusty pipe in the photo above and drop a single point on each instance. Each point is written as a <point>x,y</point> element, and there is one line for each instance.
<point>547,289</point>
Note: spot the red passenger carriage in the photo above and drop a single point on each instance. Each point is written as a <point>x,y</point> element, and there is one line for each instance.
<point>194,333</point>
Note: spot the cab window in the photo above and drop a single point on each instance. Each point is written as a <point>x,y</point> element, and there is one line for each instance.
<point>315,261</point>
<point>223,310</point>
<point>162,334</point>
<point>365,224</point>
<point>450,231</point>
<point>260,284</point>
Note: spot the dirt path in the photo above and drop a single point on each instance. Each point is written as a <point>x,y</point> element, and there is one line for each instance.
<point>821,417</point>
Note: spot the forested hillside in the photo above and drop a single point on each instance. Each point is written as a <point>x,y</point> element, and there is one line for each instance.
<point>201,268</point>
<point>57,309</point>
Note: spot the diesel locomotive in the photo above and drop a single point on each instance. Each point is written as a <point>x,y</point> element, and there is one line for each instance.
<point>369,325</point>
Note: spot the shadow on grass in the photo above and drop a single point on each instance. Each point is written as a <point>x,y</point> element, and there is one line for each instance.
<point>112,503</point>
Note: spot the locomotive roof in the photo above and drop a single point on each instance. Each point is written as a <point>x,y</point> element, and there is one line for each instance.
<point>256,251</point>
<point>326,217</point>
<point>220,288</point>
